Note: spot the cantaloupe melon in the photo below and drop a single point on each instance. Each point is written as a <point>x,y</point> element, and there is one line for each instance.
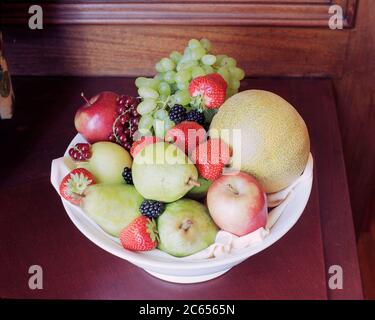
<point>275,143</point>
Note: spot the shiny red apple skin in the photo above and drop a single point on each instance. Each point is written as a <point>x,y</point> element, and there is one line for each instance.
<point>94,120</point>
<point>237,203</point>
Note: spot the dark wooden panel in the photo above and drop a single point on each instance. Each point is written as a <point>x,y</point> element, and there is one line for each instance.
<point>259,13</point>
<point>356,112</point>
<point>133,50</point>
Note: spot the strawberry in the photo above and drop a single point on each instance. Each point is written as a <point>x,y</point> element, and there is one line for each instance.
<point>186,135</point>
<point>209,90</point>
<point>140,235</point>
<point>210,158</point>
<point>75,183</point>
<point>218,78</point>
<point>140,144</point>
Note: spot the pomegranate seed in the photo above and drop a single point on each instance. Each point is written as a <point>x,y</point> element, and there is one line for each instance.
<point>85,147</point>
<point>135,113</point>
<point>120,109</point>
<point>87,155</point>
<point>123,138</point>
<point>112,137</point>
<point>118,130</point>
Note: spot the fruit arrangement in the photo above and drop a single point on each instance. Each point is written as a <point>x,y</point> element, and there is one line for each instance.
<point>167,170</point>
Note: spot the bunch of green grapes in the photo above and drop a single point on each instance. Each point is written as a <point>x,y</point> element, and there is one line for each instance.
<point>170,84</point>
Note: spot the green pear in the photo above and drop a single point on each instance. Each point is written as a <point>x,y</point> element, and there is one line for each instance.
<point>185,227</point>
<point>162,172</point>
<point>107,162</point>
<point>112,206</point>
<point>199,192</point>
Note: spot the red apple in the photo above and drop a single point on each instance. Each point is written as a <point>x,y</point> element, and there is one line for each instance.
<point>94,120</point>
<point>237,203</point>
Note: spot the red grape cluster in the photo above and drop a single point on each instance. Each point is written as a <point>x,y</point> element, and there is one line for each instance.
<point>80,152</point>
<point>126,124</point>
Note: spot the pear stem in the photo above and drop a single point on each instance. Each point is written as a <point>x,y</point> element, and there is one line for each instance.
<point>84,98</point>
<point>193,182</point>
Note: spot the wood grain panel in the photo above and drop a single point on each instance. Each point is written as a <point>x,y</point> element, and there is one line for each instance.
<point>356,103</point>
<point>259,13</point>
<point>133,50</point>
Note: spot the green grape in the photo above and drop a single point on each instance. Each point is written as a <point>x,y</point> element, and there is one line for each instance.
<point>234,84</point>
<point>228,62</point>
<point>146,93</point>
<point>183,76</point>
<point>146,122</point>
<point>223,71</point>
<point>175,56</point>
<point>230,92</point>
<point>162,99</point>
<point>158,126</point>
<point>168,124</point>
<point>167,64</point>
<point>159,67</point>
<point>146,106</point>
<point>172,99</point>
<point>164,89</point>
<point>146,82</point>
<point>236,73</point>
<point>206,44</point>
<point>186,64</point>
<point>173,88</point>
<point>183,85</point>
<point>187,54</point>
<point>169,76</point>
<point>161,114</point>
<point>194,43</point>
<point>219,58</point>
<point>197,71</point>
<point>180,62</point>
<point>159,76</point>
<point>208,69</point>
<point>208,59</point>
<point>197,53</point>
<point>182,97</point>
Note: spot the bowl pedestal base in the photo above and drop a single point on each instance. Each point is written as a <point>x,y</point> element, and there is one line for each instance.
<point>187,279</point>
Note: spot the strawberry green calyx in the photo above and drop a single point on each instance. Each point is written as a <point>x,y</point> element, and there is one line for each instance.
<point>152,230</point>
<point>197,103</point>
<point>78,183</point>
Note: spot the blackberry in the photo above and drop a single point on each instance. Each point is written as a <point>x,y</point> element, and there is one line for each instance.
<point>195,115</point>
<point>127,175</point>
<point>177,113</point>
<point>152,208</point>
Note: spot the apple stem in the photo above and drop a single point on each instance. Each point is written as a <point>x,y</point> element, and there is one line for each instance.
<point>84,98</point>
<point>193,182</point>
<point>232,189</point>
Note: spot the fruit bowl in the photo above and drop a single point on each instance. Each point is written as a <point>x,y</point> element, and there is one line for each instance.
<point>167,267</point>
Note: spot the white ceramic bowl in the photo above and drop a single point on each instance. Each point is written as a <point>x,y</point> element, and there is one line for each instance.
<point>169,268</point>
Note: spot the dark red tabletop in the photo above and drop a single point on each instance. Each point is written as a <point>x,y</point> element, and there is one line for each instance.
<point>35,230</point>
